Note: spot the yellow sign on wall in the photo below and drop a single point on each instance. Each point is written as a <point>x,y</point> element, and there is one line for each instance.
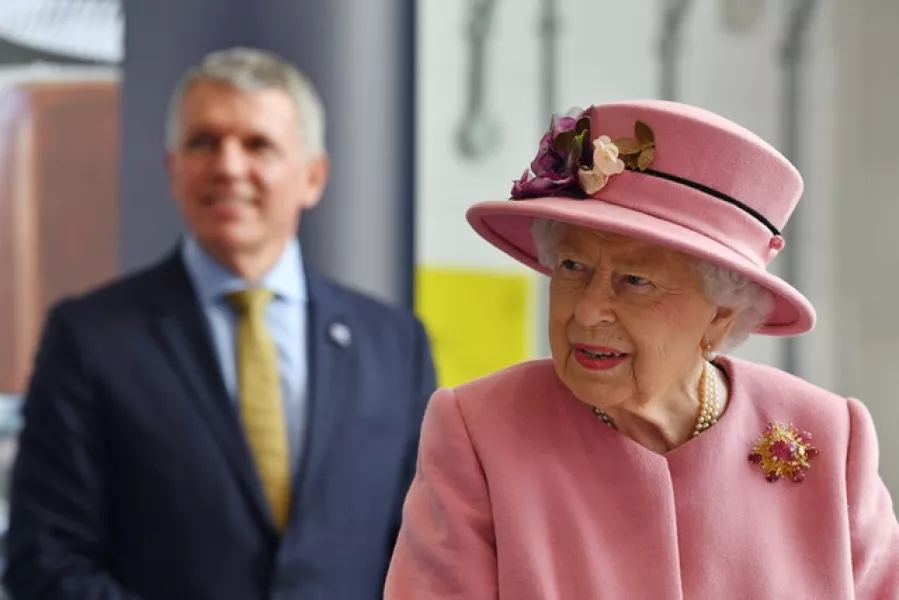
<point>478,321</point>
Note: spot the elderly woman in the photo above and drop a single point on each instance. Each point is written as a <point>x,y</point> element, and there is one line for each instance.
<point>640,462</point>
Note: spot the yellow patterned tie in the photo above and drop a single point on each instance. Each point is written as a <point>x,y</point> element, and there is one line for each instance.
<point>261,409</point>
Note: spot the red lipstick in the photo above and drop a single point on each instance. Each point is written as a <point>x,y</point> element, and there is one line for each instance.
<point>598,358</point>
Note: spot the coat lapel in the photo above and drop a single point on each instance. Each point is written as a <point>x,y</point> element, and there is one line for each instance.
<point>183,332</point>
<point>332,356</point>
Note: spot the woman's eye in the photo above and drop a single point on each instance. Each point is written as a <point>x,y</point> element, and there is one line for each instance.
<point>636,280</point>
<point>571,265</point>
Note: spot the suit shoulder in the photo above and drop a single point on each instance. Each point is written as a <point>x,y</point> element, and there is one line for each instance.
<point>765,383</point>
<point>113,298</point>
<point>372,311</point>
<point>530,372</point>
<point>511,388</point>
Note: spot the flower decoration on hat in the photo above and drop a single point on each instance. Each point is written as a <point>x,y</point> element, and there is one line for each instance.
<point>638,152</point>
<point>605,164</point>
<point>569,163</point>
<point>783,451</point>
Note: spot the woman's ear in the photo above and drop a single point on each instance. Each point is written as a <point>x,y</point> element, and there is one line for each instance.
<point>718,328</point>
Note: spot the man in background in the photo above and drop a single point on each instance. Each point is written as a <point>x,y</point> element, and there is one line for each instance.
<point>229,423</point>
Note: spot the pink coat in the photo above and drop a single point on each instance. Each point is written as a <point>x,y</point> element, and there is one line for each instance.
<point>522,493</point>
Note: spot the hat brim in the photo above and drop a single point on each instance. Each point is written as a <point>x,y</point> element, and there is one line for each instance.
<point>507,225</point>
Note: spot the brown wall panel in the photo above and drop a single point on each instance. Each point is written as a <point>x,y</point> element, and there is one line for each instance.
<point>58,205</point>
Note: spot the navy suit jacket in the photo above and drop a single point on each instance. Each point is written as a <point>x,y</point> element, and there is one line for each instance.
<point>134,480</point>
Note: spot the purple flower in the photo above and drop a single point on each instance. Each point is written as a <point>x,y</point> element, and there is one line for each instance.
<point>536,186</point>
<point>546,160</point>
<point>562,124</point>
<point>563,149</point>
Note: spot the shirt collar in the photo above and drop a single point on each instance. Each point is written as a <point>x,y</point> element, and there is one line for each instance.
<point>286,279</point>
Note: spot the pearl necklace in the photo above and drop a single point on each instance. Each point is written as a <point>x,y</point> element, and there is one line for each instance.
<point>709,408</point>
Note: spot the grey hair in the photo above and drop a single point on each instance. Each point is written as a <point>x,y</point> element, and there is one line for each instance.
<point>251,70</point>
<point>751,302</point>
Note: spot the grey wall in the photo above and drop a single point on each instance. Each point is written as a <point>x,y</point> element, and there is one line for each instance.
<point>360,55</point>
<point>866,179</point>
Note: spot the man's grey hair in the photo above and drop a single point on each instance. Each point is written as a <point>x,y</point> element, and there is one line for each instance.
<point>252,70</point>
<point>723,287</point>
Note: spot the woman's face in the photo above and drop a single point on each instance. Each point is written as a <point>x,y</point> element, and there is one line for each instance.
<point>628,320</point>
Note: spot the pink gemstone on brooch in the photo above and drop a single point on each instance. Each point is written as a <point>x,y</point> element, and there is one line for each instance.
<point>783,452</point>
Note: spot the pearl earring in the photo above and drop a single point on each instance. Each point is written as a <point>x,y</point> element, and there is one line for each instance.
<point>709,354</point>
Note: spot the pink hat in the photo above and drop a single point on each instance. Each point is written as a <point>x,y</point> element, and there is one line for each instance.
<point>666,173</point>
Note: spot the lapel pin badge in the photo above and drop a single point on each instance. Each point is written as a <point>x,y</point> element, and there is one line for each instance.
<point>340,334</point>
<point>783,452</point>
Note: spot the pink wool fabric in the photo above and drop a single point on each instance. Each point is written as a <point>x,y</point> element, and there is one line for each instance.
<point>522,493</point>
<point>693,144</point>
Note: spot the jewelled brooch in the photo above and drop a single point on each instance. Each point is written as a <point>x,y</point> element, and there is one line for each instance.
<point>783,451</point>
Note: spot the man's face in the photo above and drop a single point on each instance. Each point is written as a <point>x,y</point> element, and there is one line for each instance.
<point>239,172</point>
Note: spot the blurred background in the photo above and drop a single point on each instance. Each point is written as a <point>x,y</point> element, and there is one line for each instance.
<point>434,105</point>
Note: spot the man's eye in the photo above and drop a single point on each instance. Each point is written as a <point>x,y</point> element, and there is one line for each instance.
<point>258,143</point>
<point>202,141</point>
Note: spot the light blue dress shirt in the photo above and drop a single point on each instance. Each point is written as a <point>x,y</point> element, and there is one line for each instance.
<point>286,318</point>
